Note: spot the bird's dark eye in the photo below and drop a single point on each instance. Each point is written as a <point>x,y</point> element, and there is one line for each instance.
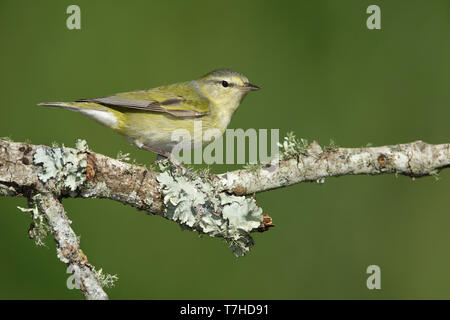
<point>225,84</point>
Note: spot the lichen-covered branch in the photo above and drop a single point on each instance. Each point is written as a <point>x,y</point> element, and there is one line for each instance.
<point>48,215</point>
<point>68,247</point>
<point>192,202</point>
<point>310,163</point>
<point>215,205</point>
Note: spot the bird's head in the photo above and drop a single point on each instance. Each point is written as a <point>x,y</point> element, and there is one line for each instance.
<point>225,87</point>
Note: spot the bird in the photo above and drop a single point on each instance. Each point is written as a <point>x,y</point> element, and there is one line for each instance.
<point>147,118</point>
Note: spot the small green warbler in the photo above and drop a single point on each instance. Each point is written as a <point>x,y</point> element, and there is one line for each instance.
<point>147,118</point>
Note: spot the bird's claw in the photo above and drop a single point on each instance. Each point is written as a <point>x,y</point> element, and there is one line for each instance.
<point>182,170</point>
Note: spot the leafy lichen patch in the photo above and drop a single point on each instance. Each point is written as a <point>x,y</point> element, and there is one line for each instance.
<point>66,166</point>
<point>292,147</point>
<point>195,204</point>
<point>106,280</point>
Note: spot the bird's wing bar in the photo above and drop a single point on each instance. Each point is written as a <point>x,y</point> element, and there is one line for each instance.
<point>146,105</point>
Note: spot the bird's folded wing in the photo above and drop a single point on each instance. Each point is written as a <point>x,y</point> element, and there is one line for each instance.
<point>179,105</point>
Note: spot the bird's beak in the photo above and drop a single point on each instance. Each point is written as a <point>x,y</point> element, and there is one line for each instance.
<point>251,87</point>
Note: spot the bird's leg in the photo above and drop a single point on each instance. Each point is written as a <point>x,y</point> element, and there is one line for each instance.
<point>161,155</point>
<point>175,162</point>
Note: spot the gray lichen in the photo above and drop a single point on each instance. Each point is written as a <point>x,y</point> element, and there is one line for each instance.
<point>7,138</point>
<point>6,191</point>
<point>435,174</point>
<point>39,229</point>
<point>148,202</point>
<point>195,204</point>
<point>253,166</point>
<point>66,166</point>
<point>106,280</point>
<point>99,189</point>
<point>292,147</point>
<point>123,156</point>
<point>331,147</point>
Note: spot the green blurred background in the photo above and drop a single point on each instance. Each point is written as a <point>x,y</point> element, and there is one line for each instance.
<point>324,75</point>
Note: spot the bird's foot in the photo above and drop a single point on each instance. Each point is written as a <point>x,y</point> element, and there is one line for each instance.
<point>175,163</point>
<point>163,155</point>
<point>182,169</point>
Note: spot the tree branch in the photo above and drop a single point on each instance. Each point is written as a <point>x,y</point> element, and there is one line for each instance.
<point>211,204</point>
<point>312,164</point>
<point>68,248</point>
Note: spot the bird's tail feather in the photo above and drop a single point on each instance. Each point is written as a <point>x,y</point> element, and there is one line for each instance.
<point>75,106</point>
<point>100,113</point>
